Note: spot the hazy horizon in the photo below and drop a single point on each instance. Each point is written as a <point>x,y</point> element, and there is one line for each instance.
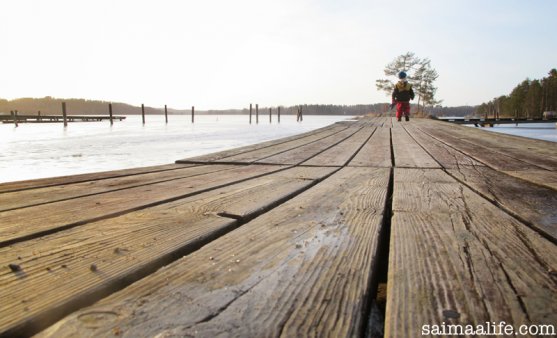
<point>225,55</point>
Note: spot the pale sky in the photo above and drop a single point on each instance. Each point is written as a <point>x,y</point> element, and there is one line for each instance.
<point>218,54</point>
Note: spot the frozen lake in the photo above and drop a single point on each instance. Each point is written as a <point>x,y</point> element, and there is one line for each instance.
<point>540,131</point>
<point>47,150</point>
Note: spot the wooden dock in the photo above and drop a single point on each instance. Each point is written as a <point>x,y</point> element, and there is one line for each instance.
<point>57,118</point>
<point>364,228</point>
<point>490,122</point>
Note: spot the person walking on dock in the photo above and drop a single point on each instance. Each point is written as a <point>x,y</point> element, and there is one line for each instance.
<point>402,94</point>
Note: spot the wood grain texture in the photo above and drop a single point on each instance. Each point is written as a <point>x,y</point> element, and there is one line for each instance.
<point>472,238</point>
<point>52,181</point>
<point>125,248</point>
<point>408,153</point>
<point>540,177</point>
<point>340,154</point>
<point>305,152</point>
<point>532,203</point>
<point>259,154</point>
<point>447,157</point>
<point>302,269</point>
<point>538,152</point>
<point>500,160</point>
<point>321,132</point>
<point>30,197</point>
<point>19,224</point>
<point>456,258</point>
<point>376,152</point>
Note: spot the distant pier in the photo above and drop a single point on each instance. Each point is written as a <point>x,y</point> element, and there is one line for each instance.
<point>490,122</point>
<point>56,118</point>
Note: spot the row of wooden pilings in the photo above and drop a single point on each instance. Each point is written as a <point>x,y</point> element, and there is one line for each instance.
<point>299,116</point>
<point>143,113</point>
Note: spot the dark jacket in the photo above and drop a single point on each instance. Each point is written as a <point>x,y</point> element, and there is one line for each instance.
<point>403,92</point>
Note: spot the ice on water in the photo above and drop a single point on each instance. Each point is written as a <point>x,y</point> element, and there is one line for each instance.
<point>540,131</point>
<point>46,150</point>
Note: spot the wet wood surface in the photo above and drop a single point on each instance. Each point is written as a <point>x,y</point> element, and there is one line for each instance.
<point>290,237</point>
<point>458,259</point>
<point>302,269</point>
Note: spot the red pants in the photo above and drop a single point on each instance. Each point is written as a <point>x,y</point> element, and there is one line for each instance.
<point>402,108</point>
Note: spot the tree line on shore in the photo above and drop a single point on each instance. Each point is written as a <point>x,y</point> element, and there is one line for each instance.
<point>529,99</point>
<point>53,106</point>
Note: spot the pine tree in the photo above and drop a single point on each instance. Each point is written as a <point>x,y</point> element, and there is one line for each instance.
<point>407,62</point>
<point>424,77</point>
<point>420,75</point>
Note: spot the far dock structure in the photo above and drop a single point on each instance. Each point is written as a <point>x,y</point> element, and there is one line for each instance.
<point>490,122</point>
<point>368,227</point>
<point>26,118</point>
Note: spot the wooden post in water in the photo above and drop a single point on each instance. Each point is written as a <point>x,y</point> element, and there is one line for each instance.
<point>250,113</point>
<point>143,113</point>
<point>14,116</point>
<point>64,114</point>
<point>270,119</point>
<point>278,114</point>
<point>110,113</point>
<point>192,114</point>
<point>257,113</point>
<point>165,114</point>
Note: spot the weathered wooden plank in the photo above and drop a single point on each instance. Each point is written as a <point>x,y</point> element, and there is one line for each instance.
<point>52,181</point>
<point>380,122</point>
<point>20,224</point>
<point>538,152</point>
<point>397,124</point>
<point>30,197</point>
<point>532,203</point>
<point>340,154</point>
<point>303,269</point>
<point>303,153</point>
<point>525,171</point>
<point>125,248</point>
<point>490,157</point>
<point>540,177</point>
<point>376,152</point>
<point>456,258</point>
<point>258,146</point>
<point>253,156</point>
<point>447,156</point>
<point>408,153</point>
